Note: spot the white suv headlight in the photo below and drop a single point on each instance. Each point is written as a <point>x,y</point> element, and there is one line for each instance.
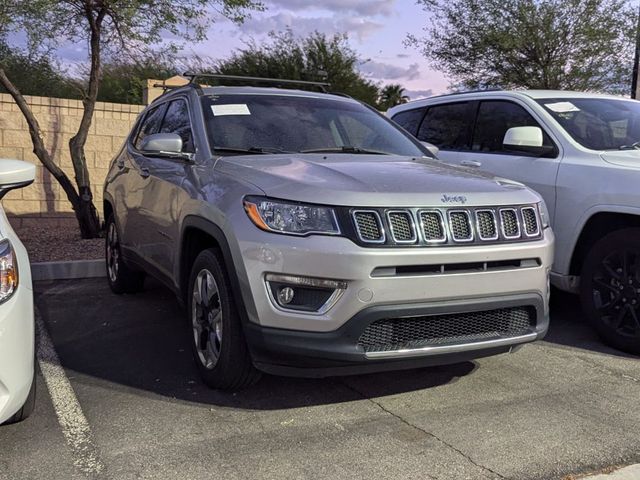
<point>8,271</point>
<point>291,218</point>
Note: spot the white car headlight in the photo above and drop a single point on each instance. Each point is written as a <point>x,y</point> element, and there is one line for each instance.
<point>291,218</point>
<point>544,215</point>
<point>8,271</point>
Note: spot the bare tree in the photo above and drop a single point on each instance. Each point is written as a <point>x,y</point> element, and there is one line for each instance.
<point>106,27</point>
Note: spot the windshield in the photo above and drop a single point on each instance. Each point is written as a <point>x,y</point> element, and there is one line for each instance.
<point>598,123</point>
<point>267,124</point>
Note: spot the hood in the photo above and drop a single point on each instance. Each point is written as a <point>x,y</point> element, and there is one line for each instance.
<point>625,158</point>
<point>372,180</point>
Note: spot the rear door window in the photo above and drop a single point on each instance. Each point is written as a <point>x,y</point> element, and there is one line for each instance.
<point>410,119</point>
<point>447,126</point>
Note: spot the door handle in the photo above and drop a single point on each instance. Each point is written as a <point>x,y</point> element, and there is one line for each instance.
<point>471,163</point>
<point>144,172</point>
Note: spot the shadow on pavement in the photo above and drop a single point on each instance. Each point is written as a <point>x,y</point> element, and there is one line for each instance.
<point>570,327</point>
<point>141,342</point>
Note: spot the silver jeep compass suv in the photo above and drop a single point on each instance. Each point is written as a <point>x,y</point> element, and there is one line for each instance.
<point>308,235</point>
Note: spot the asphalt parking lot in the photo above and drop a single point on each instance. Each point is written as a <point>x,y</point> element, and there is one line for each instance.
<point>127,403</point>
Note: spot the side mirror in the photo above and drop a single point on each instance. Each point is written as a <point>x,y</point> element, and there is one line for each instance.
<point>170,143</point>
<point>432,148</point>
<point>15,174</point>
<point>528,140</point>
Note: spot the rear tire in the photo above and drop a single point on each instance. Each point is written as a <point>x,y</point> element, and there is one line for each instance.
<point>610,289</point>
<point>121,278</point>
<point>29,404</point>
<point>217,340</point>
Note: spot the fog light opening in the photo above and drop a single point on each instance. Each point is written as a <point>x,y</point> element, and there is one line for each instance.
<point>285,295</point>
<point>303,294</point>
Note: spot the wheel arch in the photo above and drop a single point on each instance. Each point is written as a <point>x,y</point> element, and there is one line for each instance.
<point>597,226</point>
<point>198,234</point>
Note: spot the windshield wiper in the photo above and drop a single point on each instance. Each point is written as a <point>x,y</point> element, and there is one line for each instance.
<point>345,149</point>
<point>250,150</point>
<point>633,146</point>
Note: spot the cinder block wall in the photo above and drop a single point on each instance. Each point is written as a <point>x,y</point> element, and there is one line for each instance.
<point>59,119</point>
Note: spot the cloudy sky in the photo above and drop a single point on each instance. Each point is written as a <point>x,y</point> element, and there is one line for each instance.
<point>376,29</point>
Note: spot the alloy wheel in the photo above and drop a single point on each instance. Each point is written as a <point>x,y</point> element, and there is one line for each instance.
<point>616,292</point>
<point>113,252</point>
<point>206,319</point>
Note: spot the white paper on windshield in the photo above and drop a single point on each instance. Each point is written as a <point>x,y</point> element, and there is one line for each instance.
<point>562,107</point>
<point>230,109</point>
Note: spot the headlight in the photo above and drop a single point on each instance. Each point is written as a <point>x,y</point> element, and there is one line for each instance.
<point>544,214</point>
<point>291,218</point>
<point>8,271</point>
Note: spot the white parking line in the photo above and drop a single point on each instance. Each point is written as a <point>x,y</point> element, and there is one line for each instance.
<point>74,424</point>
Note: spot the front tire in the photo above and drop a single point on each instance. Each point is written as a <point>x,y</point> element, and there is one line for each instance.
<point>121,278</point>
<point>217,340</point>
<point>610,289</point>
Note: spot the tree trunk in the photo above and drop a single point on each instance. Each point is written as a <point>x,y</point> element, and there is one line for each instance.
<point>85,213</point>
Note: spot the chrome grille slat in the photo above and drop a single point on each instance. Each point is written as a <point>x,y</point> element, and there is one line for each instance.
<point>460,226</point>
<point>402,226</point>
<point>432,226</point>
<point>530,221</point>
<point>510,223</point>
<point>486,224</point>
<point>369,226</point>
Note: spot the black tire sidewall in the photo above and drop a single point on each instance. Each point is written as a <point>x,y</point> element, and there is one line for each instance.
<point>127,280</point>
<point>234,362</point>
<point>626,238</point>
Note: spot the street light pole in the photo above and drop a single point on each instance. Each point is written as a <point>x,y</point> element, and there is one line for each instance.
<point>635,88</point>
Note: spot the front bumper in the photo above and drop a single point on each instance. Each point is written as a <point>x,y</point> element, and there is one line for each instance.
<point>313,354</point>
<point>16,351</point>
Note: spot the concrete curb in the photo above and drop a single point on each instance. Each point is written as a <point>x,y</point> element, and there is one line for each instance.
<point>68,270</point>
<point>632,472</point>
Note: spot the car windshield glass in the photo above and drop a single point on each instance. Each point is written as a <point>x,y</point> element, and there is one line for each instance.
<point>598,123</point>
<point>271,124</point>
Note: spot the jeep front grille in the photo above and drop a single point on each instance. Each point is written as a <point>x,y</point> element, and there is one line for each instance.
<point>432,226</point>
<point>436,330</point>
<point>369,226</point>
<point>460,225</point>
<point>412,227</point>
<point>530,221</point>
<point>402,228</point>
<point>510,224</point>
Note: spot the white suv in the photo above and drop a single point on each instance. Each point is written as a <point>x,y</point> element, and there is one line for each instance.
<point>581,152</point>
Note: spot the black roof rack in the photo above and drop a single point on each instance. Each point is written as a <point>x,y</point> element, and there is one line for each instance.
<point>273,81</point>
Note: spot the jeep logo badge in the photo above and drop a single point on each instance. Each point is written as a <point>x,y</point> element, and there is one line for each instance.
<point>453,199</point>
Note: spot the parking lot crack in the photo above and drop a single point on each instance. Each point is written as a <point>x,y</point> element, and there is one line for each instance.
<point>425,432</point>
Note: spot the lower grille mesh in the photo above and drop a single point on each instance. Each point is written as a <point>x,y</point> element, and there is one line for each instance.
<point>416,332</point>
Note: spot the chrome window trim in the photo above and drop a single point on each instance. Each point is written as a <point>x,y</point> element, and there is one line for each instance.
<point>468,214</point>
<point>383,238</point>
<point>495,224</point>
<point>515,212</point>
<point>408,213</point>
<point>537,217</point>
<point>443,226</point>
